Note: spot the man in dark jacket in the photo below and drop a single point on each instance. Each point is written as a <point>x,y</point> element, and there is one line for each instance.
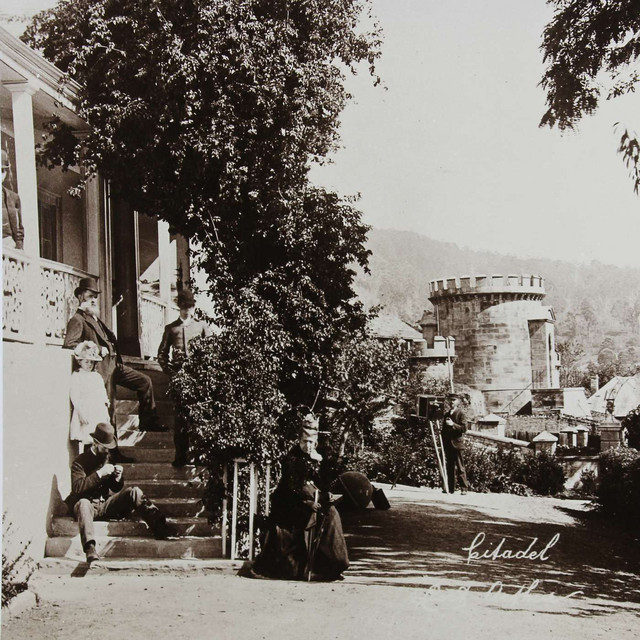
<point>85,324</point>
<point>455,424</point>
<point>174,347</point>
<point>98,493</point>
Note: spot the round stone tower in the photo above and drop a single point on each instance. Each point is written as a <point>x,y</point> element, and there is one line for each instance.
<point>505,342</point>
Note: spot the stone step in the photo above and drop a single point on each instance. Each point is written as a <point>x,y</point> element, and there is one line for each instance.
<point>159,471</point>
<point>145,454</point>
<point>126,407</point>
<point>145,439</point>
<point>67,527</point>
<point>160,393</point>
<point>169,488</point>
<point>136,547</point>
<point>132,566</point>
<point>181,507</point>
<point>129,422</point>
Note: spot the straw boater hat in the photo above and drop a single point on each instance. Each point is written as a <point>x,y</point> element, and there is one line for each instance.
<point>104,435</point>
<point>87,350</point>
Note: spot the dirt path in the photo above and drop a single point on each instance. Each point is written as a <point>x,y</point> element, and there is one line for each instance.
<point>408,565</point>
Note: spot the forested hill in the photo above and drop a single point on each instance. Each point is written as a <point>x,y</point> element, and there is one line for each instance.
<point>592,301</point>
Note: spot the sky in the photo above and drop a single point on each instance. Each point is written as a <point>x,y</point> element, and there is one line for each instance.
<point>450,148</point>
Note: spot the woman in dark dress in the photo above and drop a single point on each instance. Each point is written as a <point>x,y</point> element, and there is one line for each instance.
<point>304,538</point>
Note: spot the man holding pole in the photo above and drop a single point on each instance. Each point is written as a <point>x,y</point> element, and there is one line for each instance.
<point>455,424</point>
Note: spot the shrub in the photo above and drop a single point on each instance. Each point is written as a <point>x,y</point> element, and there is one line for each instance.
<point>618,492</point>
<point>542,473</point>
<point>17,566</point>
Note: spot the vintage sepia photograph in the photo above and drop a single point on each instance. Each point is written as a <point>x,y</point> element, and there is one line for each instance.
<point>320,317</point>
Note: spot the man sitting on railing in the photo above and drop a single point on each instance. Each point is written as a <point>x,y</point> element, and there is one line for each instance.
<point>85,324</point>
<point>12,229</point>
<point>304,538</point>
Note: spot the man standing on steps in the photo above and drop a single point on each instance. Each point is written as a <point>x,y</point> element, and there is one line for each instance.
<point>85,324</point>
<point>98,493</point>
<point>173,349</point>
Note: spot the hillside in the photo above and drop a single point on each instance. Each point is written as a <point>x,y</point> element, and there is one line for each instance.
<point>592,301</point>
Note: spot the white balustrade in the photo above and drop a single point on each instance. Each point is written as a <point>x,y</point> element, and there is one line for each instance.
<point>14,291</point>
<point>54,291</point>
<point>154,315</point>
<point>58,302</point>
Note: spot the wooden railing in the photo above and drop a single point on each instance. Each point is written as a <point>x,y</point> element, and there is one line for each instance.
<point>154,315</point>
<point>14,294</point>
<point>253,505</point>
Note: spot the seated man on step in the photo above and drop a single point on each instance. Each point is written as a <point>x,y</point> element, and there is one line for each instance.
<point>98,493</point>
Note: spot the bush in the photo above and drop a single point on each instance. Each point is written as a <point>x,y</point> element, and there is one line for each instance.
<point>17,566</point>
<point>542,473</point>
<point>618,493</point>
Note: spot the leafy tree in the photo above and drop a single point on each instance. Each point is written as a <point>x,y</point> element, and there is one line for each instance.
<point>587,44</point>
<point>571,351</point>
<point>208,114</point>
<point>369,378</point>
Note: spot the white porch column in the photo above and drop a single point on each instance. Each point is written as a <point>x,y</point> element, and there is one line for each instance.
<point>164,259</point>
<point>27,185</point>
<point>21,94</point>
<point>92,230</point>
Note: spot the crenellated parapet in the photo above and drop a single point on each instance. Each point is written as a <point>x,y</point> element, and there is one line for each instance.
<point>516,287</point>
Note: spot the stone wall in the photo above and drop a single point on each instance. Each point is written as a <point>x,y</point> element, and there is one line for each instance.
<point>35,445</point>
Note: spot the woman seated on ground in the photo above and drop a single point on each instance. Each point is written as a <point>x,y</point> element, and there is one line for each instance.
<point>304,537</point>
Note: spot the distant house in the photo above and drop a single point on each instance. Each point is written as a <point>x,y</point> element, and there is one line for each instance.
<point>620,395</point>
<point>389,327</point>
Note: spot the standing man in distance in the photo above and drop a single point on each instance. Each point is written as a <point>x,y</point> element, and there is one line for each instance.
<point>455,424</point>
<point>174,347</point>
<point>85,324</point>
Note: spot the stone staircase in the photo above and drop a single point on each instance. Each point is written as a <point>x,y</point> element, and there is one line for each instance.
<point>176,492</point>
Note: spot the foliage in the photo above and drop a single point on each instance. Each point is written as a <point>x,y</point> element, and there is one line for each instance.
<point>493,470</point>
<point>228,390</point>
<point>587,43</point>
<point>541,472</point>
<point>631,423</point>
<point>17,566</point>
<point>619,486</point>
<point>368,378</point>
<point>208,114</point>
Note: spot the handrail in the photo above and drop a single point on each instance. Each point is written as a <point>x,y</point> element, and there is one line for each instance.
<point>253,504</point>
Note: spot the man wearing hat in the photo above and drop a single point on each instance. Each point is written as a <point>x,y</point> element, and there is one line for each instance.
<point>455,424</point>
<point>85,324</point>
<point>98,493</point>
<point>12,229</point>
<point>174,347</point>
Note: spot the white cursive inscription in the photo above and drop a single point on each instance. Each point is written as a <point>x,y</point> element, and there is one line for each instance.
<point>500,553</point>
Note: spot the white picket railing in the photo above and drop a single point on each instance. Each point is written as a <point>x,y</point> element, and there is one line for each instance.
<point>253,505</point>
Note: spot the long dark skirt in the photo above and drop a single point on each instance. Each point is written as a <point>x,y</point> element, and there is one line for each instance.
<point>291,552</point>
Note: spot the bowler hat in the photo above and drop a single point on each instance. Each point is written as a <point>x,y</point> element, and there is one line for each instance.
<point>105,435</point>
<point>87,350</point>
<point>86,284</point>
<point>186,299</point>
